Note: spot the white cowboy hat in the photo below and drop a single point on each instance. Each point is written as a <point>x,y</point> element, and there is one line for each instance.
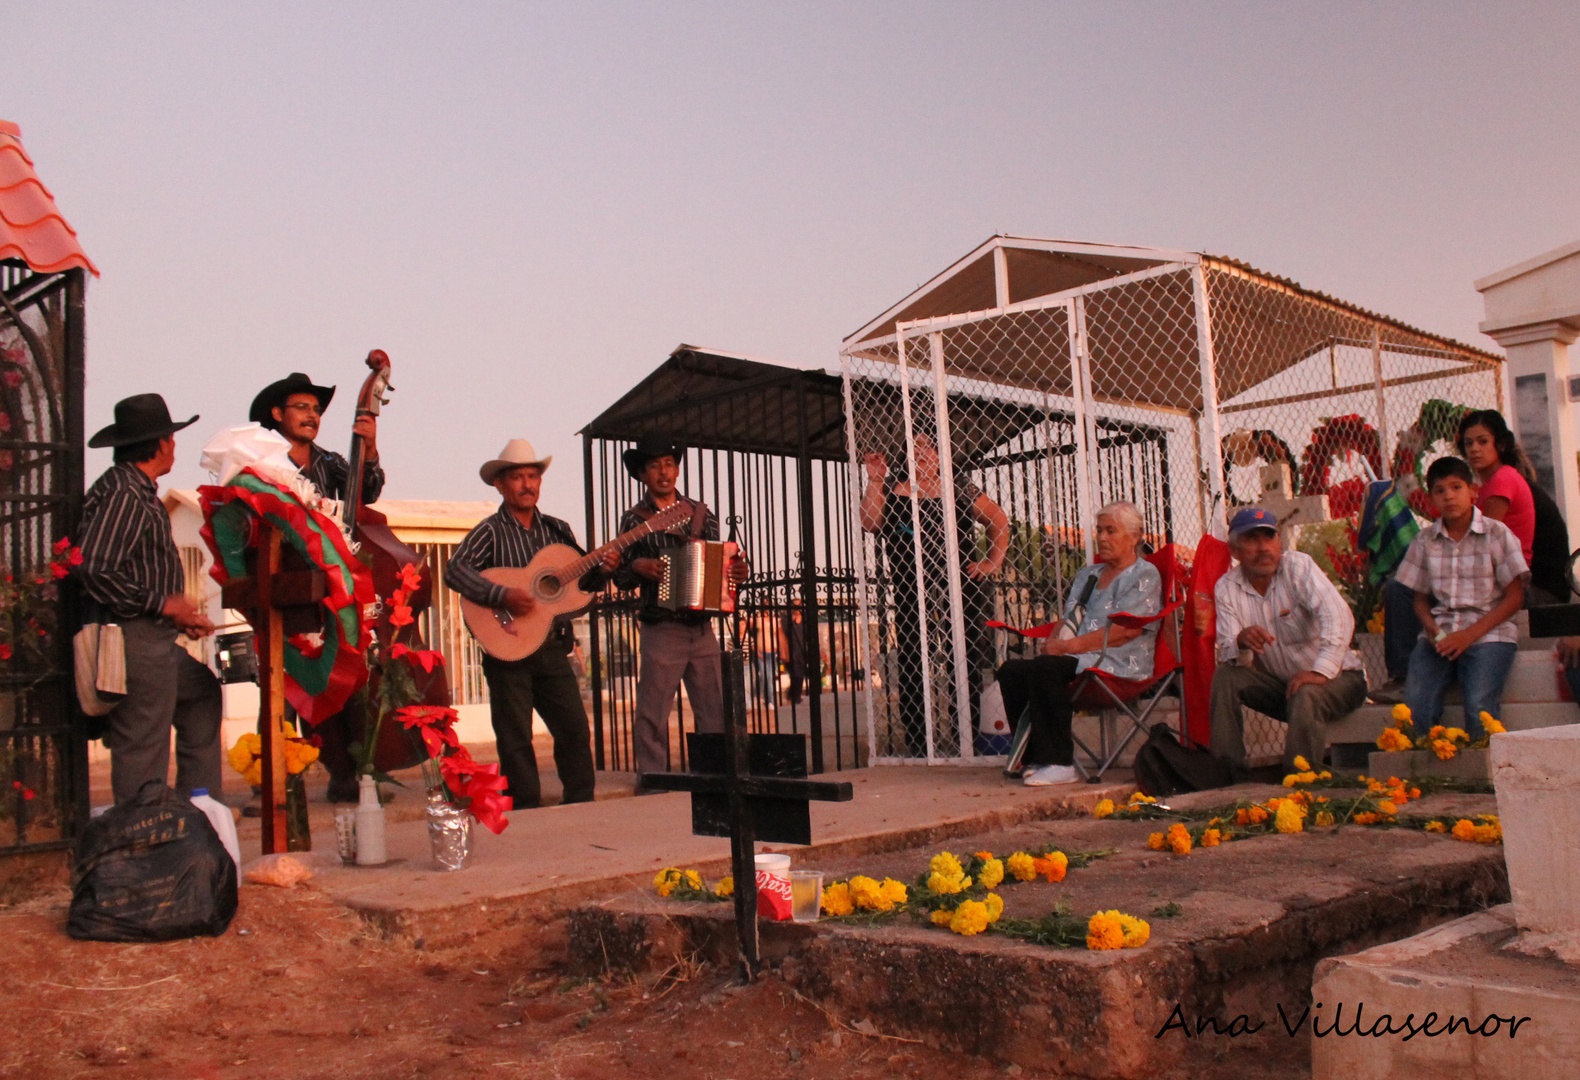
<point>516,452</point>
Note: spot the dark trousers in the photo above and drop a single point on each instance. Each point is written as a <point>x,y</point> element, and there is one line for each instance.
<point>1306,715</point>
<point>544,682</point>
<point>165,688</point>
<point>1401,627</point>
<point>1043,686</point>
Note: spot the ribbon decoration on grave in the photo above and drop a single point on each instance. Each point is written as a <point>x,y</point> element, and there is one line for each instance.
<point>319,678</point>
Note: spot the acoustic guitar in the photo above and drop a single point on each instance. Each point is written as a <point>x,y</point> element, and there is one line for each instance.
<point>551,578</point>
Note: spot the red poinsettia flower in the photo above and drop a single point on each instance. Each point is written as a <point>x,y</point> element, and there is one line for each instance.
<point>410,578</point>
<point>483,785</point>
<point>426,657</point>
<point>427,716</point>
<point>5,652</point>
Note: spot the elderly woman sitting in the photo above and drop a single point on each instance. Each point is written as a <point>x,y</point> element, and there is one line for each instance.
<point>1119,582</point>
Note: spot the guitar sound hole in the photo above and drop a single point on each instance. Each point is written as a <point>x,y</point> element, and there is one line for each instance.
<point>549,586</point>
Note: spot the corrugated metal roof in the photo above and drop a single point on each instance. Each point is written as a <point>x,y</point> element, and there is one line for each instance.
<point>31,226</point>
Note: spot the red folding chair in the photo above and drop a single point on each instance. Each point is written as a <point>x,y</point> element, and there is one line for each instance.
<point>1134,699</point>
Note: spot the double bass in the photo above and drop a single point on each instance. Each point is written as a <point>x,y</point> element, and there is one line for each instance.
<point>386,555</point>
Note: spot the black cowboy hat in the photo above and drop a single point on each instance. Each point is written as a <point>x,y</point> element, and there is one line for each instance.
<point>137,419</point>
<point>649,447</point>
<point>276,393</point>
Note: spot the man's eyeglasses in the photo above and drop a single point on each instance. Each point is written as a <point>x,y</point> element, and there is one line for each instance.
<point>312,408</point>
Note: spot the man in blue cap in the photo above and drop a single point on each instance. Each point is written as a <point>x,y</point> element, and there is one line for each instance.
<point>1281,608</point>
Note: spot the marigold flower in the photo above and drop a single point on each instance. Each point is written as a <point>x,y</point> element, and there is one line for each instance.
<point>1301,764</point>
<point>1436,731</point>
<point>1052,866</point>
<point>1022,867</point>
<point>1401,715</point>
<point>947,864</point>
<point>893,892</point>
<point>1454,734</point>
<point>1211,838</point>
<point>1257,814</point>
<point>995,906</point>
<point>836,899</point>
<point>1367,819</point>
<point>1155,841</point>
<point>868,894</point>
<point>1139,797</point>
<point>666,880</point>
<point>725,887</point>
<point>1291,818</point>
<point>941,918</point>
<point>1394,739</point>
<point>1103,809</point>
<point>1491,725</point>
<point>1387,807</point>
<point>948,883</point>
<point>1435,826</point>
<point>1324,817</point>
<point>971,917</point>
<point>1443,749</point>
<point>1415,793</point>
<point>1179,839</point>
<point>1464,829</point>
<point>1136,931</point>
<point>1104,931</point>
<point>991,874</point>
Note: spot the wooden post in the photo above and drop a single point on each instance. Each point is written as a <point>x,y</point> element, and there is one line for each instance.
<point>743,837</point>
<point>269,629</point>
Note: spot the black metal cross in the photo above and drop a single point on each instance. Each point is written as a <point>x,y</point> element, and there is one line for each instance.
<point>749,788</point>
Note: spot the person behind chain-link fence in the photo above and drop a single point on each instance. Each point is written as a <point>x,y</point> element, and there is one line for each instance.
<point>1281,607</point>
<point>886,511</point>
<point>1120,581</point>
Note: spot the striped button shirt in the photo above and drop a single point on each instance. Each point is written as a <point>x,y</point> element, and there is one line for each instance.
<point>129,559</point>
<point>1466,577</point>
<point>1310,622</point>
<point>329,471</point>
<point>501,540</point>
<point>652,546</point>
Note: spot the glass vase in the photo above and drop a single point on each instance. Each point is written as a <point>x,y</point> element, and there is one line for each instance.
<point>298,834</point>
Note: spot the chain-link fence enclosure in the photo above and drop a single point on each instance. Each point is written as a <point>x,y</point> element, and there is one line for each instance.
<point>986,441</point>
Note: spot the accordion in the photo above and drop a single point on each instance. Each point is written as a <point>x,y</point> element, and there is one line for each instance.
<point>697,577</point>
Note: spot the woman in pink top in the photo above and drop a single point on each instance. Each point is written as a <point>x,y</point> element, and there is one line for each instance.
<point>1489,447</point>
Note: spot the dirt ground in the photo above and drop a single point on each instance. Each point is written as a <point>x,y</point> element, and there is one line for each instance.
<point>300,988</point>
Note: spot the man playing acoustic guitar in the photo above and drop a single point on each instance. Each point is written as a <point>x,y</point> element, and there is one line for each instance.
<point>675,645</point>
<point>543,680</point>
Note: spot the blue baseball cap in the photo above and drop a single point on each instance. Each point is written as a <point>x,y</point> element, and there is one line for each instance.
<point>1251,517</point>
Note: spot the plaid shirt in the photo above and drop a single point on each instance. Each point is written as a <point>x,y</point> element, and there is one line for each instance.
<point>1465,577</point>
<point>1310,622</point>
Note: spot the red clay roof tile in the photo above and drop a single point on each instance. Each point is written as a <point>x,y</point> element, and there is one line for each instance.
<point>31,227</point>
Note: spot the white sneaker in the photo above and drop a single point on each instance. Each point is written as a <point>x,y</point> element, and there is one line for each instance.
<point>1048,775</point>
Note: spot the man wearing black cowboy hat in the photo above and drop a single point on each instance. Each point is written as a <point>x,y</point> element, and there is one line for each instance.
<point>676,646</point>
<point>132,574</point>
<point>292,406</point>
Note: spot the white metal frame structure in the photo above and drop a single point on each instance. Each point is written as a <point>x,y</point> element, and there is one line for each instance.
<point>1057,377</point>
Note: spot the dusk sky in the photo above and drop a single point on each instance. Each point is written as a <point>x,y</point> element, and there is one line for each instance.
<point>529,206</point>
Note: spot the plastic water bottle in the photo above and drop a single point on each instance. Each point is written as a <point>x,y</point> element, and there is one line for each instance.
<point>371,850</point>
<point>219,816</point>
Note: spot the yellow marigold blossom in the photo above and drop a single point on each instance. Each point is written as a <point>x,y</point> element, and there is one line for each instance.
<point>667,880</point>
<point>1464,829</point>
<point>971,917</point>
<point>1377,623</point>
<point>941,918</point>
<point>1436,826</point>
<point>1179,839</point>
<point>948,883</point>
<point>1443,749</point>
<point>1103,809</point>
<point>725,887</point>
<point>1140,798</point>
<point>1415,793</point>
<point>1493,727</point>
<point>865,893</point>
<point>1104,931</point>
<point>1324,775</point>
<point>1301,764</point>
<point>1155,841</point>
<point>1491,832</point>
<point>1367,819</point>
<point>991,874</point>
<point>1136,931</point>
<point>244,757</point>
<point>1436,731</point>
<point>1291,818</point>
<point>894,892</point>
<point>1401,715</point>
<point>836,899</point>
<point>1387,807</point>
<point>995,906</point>
<point>694,879</point>
<point>1052,866</point>
<point>1394,739</point>
<point>946,864</point>
<point>1021,866</point>
<point>1324,817</point>
<point>1211,838</point>
<point>1457,735</point>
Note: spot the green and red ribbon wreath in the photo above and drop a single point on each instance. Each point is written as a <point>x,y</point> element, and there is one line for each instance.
<point>319,680</point>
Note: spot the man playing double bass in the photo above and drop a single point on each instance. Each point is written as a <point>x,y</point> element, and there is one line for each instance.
<point>293,406</point>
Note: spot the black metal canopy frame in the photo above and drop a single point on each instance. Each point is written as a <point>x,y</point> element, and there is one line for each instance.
<point>43,750</point>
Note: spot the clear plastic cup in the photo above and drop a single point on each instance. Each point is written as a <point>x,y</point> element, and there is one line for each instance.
<point>806,895</point>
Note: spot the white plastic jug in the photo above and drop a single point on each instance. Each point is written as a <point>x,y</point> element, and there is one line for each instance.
<point>219,816</point>
<point>371,850</point>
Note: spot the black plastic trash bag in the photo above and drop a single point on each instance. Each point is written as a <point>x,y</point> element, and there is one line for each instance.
<point>152,869</point>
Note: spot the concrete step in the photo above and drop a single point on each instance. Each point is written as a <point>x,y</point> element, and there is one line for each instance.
<point>1366,723</point>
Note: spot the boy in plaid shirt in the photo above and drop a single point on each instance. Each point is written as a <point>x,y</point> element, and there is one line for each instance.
<point>1468,576</point>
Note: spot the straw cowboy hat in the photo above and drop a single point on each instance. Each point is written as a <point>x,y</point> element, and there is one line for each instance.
<point>649,447</point>
<point>138,419</point>
<point>276,393</point>
<point>516,452</point>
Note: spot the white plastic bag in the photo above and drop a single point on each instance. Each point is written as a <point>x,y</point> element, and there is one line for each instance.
<point>990,710</point>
